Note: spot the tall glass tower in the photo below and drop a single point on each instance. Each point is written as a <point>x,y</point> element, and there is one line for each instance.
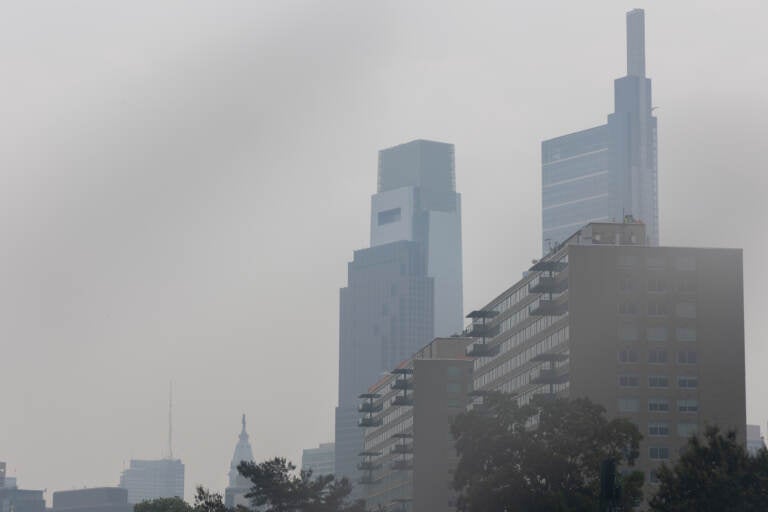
<point>406,288</point>
<point>610,171</point>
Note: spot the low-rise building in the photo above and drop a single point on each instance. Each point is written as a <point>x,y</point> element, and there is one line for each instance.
<point>408,456</point>
<point>96,499</point>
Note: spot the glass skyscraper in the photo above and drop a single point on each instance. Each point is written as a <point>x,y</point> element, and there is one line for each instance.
<point>607,172</point>
<point>406,288</point>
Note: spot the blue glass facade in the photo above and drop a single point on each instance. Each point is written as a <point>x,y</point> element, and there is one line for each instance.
<point>609,171</point>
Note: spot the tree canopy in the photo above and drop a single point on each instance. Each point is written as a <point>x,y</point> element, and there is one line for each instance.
<point>277,489</point>
<point>542,456</point>
<point>163,505</point>
<point>714,473</point>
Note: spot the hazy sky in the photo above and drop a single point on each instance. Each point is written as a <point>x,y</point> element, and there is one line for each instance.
<point>183,183</point>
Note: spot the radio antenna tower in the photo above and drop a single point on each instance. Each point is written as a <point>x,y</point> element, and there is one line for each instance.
<point>170,420</point>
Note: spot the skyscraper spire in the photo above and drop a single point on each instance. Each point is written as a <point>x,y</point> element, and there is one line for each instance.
<point>636,43</point>
<point>238,484</point>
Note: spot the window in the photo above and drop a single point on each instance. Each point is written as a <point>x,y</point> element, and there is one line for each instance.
<point>453,387</point>
<point>687,286</point>
<point>657,285</point>
<point>685,310</point>
<point>629,381</point>
<point>627,308</point>
<point>655,262</point>
<point>657,309</point>
<point>686,357</point>
<point>685,334</point>
<point>658,381</point>
<point>626,260</point>
<point>653,477</point>
<point>627,356</point>
<point>453,371</point>
<point>658,405</point>
<point>658,452</point>
<point>628,332</point>
<point>629,405</point>
<point>657,333</point>
<point>657,356</point>
<point>389,216</point>
<point>625,284</point>
<point>687,429</point>
<point>688,406</point>
<point>658,429</point>
<point>687,382</point>
<point>686,263</point>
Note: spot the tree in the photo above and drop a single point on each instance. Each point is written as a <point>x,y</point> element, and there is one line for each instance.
<point>163,505</point>
<point>714,474</point>
<point>543,456</point>
<point>207,501</point>
<point>276,489</point>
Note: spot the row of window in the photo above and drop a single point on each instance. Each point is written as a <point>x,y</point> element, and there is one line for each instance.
<point>659,381</point>
<point>657,356</point>
<point>662,429</point>
<point>658,405</point>
<point>681,263</point>
<point>629,332</point>
<point>655,308</point>
<point>659,285</point>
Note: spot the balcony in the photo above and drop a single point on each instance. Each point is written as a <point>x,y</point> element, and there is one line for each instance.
<point>402,448</point>
<point>402,465</point>
<point>550,308</point>
<point>548,285</point>
<point>482,350</point>
<point>550,376</point>
<point>403,384</point>
<point>370,407</point>
<point>402,400</point>
<point>369,422</point>
<point>548,266</point>
<point>482,331</point>
<point>368,466</point>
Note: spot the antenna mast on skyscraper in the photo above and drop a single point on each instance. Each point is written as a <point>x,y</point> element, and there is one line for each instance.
<point>170,420</point>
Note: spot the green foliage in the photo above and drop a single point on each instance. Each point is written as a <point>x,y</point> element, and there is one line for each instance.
<point>714,474</point>
<point>277,489</point>
<point>543,456</point>
<point>163,505</point>
<point>206,501</point>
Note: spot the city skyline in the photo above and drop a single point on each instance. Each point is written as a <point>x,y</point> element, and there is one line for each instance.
<point>147,198</point>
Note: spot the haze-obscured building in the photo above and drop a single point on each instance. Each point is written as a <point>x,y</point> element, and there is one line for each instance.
<point>239,486</point>
<point>407,287</point>
<point>13,499</point>
<point>319,460</point>
<point>607,172</point>
<point>755,441</point>
<point>654,334</point>
<point>408,457</point>
<point>152,479</point>
<point>96,499</point>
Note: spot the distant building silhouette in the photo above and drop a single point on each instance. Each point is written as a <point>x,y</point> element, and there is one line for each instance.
<point>607,172</point>
<point>239,485</point>
<point>755,441</point>
<point>151,479</point>
<point>13,499</point>
<point>96,499</point>
<point>320,460</point>
<point>407,287</point>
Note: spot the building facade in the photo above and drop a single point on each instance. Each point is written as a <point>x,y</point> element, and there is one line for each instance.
<point>319,460</point>
<point>13,499</point>
<point>408,457</point>
<point>654,334</point>
<point>605,173</point>
<point>239,486</point>
<point>151,479</point>
<point>96,499</point>
<point>406,287</point>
